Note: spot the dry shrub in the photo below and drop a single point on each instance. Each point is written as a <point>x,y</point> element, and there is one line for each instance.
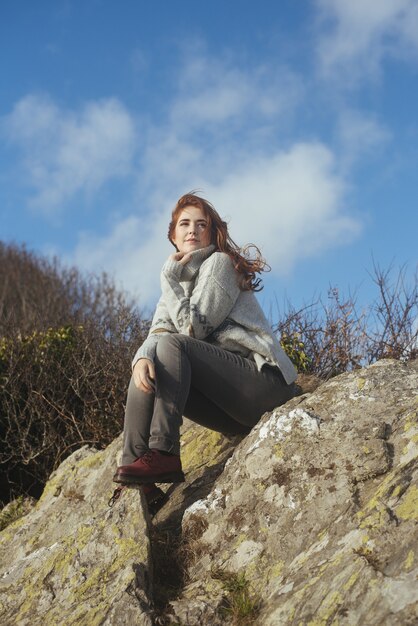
<point>330,334</point>
<point>326,338</point>
<point>65,348</point>
<point>392,331</point>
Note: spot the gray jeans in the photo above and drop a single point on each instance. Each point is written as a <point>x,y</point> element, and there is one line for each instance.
<point>211,386</point>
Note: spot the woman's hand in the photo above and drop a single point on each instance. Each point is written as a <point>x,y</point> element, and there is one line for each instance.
<point>144,375</point>
<point>181,257</point>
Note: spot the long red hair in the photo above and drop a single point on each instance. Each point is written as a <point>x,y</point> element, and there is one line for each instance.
<point>246,266</point>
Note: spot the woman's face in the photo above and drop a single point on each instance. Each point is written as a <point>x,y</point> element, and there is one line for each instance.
<point>192,230</point>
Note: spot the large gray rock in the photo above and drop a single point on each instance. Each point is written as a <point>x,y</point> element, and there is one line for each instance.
<point>74,560</point>
<point>314,519</point>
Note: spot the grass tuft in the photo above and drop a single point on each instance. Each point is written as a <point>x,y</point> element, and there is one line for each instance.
<point>241,605</point>
<point>15,510</point>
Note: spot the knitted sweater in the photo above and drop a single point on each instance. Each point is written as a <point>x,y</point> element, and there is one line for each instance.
<point>203,299</point>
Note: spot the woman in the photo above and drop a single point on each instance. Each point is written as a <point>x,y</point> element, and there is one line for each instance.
<point>210,354</point>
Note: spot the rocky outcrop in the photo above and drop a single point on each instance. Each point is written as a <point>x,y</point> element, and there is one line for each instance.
<point>315,516</point>
<point>311,519</point>
<point>73,559</point>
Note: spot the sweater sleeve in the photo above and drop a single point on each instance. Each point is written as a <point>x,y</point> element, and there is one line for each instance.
<point>161,324</point>
<point>214,294</point>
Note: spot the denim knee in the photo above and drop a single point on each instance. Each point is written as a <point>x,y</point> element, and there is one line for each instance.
<point>168,343</point>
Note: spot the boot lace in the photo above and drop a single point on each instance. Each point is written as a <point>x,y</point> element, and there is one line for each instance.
<point>147,458</point>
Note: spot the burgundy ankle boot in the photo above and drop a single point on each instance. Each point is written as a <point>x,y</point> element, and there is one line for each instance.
<point>153,467</point>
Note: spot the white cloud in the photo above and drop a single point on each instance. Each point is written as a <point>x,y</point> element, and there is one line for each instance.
<point>70,152</point>
<point>220,115</point>
<point>357,34</point>
<point>133,252</point>
<point>171,160</point>
<point>221,134</point>
<point>215,92</point>
<point>289,204</point>
<point>359,134</point>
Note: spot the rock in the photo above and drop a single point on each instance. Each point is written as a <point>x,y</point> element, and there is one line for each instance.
<point>74,560</point>
<point>204,454</point>
<point>310,520</point>
<point>314,519</point>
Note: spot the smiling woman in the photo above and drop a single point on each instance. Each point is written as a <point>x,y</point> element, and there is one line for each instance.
<point>210,354</point>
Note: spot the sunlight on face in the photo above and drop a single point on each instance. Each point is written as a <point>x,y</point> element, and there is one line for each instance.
<point>192,231</point>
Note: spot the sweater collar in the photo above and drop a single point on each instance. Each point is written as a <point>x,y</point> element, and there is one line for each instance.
<point>193,266</point>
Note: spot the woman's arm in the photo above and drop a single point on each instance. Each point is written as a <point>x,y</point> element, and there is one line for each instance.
<point>161,324</point>
<point>214,295</point>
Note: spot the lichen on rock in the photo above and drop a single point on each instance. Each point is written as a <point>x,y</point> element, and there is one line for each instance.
<point>325,531</point>
<point>311,519</point>
<point>73,559</point>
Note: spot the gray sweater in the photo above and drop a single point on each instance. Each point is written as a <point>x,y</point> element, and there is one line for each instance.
<point>203,299</point>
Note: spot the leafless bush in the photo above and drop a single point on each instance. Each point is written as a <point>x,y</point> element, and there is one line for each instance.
<point>335,336</point>
<point>330,334</point>
<point>36,293</point>
<point>33,292</point>
<point>393,325</point>
<point>65,348</point>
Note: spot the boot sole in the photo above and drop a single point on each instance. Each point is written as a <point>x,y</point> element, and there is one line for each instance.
<point>129,479</point>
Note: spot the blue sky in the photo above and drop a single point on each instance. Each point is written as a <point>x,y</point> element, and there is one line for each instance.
<point>297,120</point>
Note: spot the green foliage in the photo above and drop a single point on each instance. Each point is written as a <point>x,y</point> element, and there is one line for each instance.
<point>40,347</point>
<point>240,605</point>
<point>295,350</point>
